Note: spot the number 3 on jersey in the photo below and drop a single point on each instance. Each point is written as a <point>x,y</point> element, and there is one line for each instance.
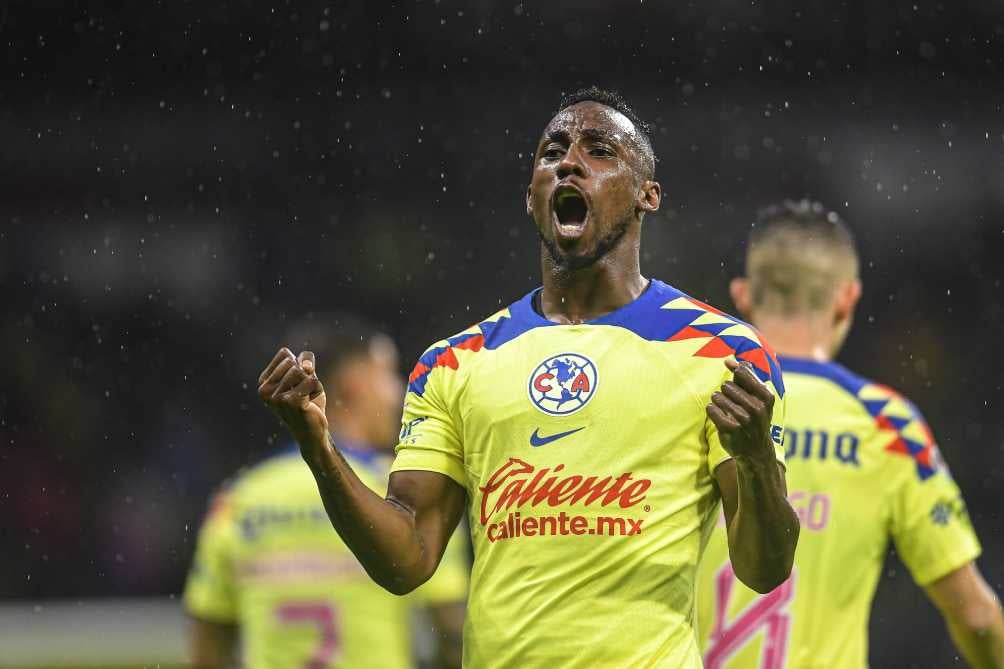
<point>767,614</point>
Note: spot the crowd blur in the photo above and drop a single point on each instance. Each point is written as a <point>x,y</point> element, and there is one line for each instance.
<point>183,180</point>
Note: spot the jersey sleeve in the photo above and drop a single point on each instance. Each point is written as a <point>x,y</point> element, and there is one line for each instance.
<point>430,438</point>
<point>770,378</point>
<point>449,584</point>
<point>209,588</point>
<point>930,524</point>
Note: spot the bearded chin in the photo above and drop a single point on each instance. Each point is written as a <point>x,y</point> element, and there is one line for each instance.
<point>604,246</point>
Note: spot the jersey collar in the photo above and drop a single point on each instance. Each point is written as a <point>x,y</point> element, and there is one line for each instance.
<point>524,313</point>
<point>798,365</point>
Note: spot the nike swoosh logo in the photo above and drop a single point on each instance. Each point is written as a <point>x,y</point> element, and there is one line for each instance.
<point>537,440</point>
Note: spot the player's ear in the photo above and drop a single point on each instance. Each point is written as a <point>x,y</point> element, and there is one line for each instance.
<point>649,196</point>
<point>529,200</point>
<point>739,289</point>
<point>848,295</point>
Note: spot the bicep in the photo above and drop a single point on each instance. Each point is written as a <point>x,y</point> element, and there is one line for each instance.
<point>436,503</point>
<point>211,644</point>
<point>727,481</point>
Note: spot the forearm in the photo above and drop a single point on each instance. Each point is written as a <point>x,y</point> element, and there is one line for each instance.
<point>764,529</point>
<point>448,628</point>
<point>981,645</point>
<point>398,540</point>
<point>973,615</point>
<point>211,645</point>
<point>381,534</point>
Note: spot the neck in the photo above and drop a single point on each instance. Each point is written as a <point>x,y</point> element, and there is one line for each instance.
<point>576,295</point>
<point>798,336</point>
<point>345,425</point>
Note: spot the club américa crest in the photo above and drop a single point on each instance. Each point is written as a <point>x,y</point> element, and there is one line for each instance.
<point>563,384</point>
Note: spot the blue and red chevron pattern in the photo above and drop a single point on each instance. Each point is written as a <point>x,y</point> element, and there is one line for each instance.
<point>720,336</point>
<point>490,333</point>
<point>908,432</point>
<point>894,415</point>
<point>661,313</point>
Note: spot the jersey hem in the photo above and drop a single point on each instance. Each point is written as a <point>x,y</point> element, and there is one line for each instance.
<point>210,616</point>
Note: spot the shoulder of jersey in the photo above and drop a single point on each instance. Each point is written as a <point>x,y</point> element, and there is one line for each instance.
<point>245,486</point>
<point>447,353</point>
<point>700,330</point>
<point>221,503</point>
<point>263,473</point>
<point>662,314</point>
<point>899,424</point>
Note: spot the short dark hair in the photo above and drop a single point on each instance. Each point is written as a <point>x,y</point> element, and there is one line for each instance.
<point>616,101</point>
<point>334,337</point>
<point>798,251</point>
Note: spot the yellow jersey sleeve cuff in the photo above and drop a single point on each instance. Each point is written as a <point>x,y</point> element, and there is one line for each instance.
<point>964,550</point>
<point>416,458</point>
<point>204,608</point>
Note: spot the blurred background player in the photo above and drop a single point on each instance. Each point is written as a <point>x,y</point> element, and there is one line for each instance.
<point>271,570</point>
<point>862,466</point>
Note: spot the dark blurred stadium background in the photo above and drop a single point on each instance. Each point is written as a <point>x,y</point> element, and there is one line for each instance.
<point>182,179</point>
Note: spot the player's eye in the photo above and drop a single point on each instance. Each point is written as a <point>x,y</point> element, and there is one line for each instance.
<point>601,152</point>
<point>553,152</point>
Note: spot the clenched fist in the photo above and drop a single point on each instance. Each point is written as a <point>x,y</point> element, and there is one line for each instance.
<point>290,387</point>
<point>742,412</point>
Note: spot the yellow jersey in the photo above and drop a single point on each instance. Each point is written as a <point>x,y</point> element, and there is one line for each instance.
<point>588,458</point>
<point>862,467</point>
<point>268,560</point>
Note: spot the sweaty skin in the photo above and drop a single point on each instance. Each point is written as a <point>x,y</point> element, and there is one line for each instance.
<point>595,150</point>
<point>590,268</point>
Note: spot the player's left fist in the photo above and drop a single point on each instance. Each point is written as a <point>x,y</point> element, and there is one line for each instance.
<point>742,411</point>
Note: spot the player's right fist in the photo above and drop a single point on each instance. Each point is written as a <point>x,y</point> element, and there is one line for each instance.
<point>290,387</point>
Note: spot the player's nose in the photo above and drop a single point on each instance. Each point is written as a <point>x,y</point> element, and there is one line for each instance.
<point>572,163</point>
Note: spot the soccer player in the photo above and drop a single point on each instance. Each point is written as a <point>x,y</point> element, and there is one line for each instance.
<point>588,429</point>
<point>863,467</point>
<point>269,567</point>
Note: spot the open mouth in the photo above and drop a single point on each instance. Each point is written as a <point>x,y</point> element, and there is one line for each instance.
<point>570,206</point>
